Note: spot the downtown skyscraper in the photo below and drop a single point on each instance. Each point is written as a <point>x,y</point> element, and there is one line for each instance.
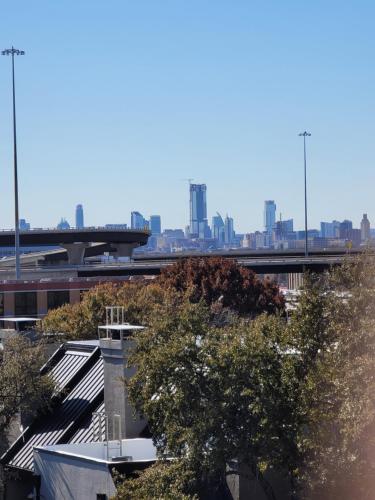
<point>155,224</point>
<point>269,216</point>
<point>198,211</point>
<point>79,217</point>
<point>138,221</point>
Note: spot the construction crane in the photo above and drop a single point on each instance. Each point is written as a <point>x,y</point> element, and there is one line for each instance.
<point>189,180</point>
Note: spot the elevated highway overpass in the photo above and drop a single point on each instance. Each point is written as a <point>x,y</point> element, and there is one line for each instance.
<point>261,263</point>
<point>81,243</point>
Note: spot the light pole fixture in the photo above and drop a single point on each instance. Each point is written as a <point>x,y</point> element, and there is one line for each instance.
<point>304,135</point>
<point>12,52</point>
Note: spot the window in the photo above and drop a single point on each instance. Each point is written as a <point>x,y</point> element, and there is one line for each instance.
<point>57,298</point>
<point>25,304</point>
<point>1,304</point>
<point>101,496</point>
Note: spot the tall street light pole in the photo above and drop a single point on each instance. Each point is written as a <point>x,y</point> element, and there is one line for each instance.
<point>304,135</point>
<point>12,52</point>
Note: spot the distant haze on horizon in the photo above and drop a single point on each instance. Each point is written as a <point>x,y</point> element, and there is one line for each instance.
<point>119,103</point>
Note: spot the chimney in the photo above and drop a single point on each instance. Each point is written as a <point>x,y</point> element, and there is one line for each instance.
<point>116,341</point>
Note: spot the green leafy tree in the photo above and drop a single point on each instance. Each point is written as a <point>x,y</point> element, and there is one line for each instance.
<point>22,388</point>
<point>81,320</point>
<point>224,285</point>
<point>161,481</point>
<point>298,398</point>
<point>339,393</point>
<point>213,395</point>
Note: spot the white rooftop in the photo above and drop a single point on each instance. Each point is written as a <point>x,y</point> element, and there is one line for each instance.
<point>123,327</point>
<point>18,319</point>
<point>126,450</point>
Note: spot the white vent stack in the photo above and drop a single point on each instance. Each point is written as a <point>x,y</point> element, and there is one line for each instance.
<point>116,340</point>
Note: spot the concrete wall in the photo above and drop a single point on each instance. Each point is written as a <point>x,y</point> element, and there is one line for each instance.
<point>115,355</point>
<point>64,477</point>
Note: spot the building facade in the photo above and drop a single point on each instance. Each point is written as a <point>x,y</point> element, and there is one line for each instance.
<point>217,229</point>
<point>198,211</point>
<point>79,217</point>
<point>155,224</point>
<point>269,215</point>
<point>138,221</point>
<point>365,228</point>
<point>229,231</point>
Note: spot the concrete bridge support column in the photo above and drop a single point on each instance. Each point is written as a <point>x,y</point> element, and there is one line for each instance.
<point>76,252</point>
<point>123,249</point>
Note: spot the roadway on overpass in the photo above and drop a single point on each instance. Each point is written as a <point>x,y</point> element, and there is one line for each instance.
<point>270,264</point>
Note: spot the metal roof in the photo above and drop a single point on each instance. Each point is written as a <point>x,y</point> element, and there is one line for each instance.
<point>89,430</point>
<point>55,426</point>
<point>77,369</point>
<point>67,367</point>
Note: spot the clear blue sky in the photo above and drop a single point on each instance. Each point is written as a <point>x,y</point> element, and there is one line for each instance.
<point>120,101</point>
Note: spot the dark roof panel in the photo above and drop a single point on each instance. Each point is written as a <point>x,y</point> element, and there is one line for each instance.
<point>90,429</point>
<point>57,427</point>
<point>67,367</point>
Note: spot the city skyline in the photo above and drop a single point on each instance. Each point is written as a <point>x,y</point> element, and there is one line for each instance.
<point>223,107</point>
<point>329,227</point>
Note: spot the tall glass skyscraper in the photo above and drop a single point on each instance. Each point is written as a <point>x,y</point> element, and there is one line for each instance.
<point>198,211</point>
<point>155,224</point>
<point>269,216</point>
<point>138,221</point>
<point>228,231</point>
<point>217,228</point>
<point>79,217</point>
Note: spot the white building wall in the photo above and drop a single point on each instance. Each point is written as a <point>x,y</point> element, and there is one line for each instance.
<point>74,478</point>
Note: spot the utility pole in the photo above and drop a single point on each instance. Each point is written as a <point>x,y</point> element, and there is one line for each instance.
<point>304,135</point>
<point>12,52</point>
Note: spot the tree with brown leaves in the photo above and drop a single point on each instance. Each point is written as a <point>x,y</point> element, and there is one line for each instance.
<point>218,279</point>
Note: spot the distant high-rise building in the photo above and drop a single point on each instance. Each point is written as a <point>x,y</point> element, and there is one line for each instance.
<point>346,227</point>
<point>217,228</point>
<point>330,229</point>
<point>365,228</point>
<point>63,224</point>
<point>269,215</point>
<point>355,237</point>
<point>326,230</point>
<point>138,221</point>
<point>155,224</point>
<point>260,239</point>
<point>198,211</point>
<point>283,228</point>
<point>79,217</point>
<point>24,226</point>
<point>311,233</point>
<point>228,231</point>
